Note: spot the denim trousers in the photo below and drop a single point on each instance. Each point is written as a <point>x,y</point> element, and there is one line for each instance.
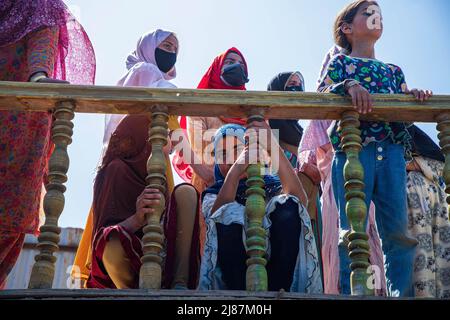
<point>385,185</point>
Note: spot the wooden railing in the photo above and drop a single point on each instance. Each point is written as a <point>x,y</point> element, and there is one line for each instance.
<point>65,100</point>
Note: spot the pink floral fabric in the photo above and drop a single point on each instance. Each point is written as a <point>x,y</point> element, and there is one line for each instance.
<point>24,136</point>
<point>75,57</point>
<point>11,244</point>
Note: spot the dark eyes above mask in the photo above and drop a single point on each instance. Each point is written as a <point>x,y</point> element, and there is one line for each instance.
<point>165,60</point>
<point>294,88</point>
<point>235,75</point>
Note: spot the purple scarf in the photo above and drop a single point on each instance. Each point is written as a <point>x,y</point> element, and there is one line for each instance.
<point>76,59</point>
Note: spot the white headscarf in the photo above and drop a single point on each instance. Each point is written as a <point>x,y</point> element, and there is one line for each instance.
<point>145,54</point>
<point>142,72</point>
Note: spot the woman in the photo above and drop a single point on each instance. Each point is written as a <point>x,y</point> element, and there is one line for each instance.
<point>120,205</point>
<point>152,64</point>
<point>290,132</point>
<point>290,135</point>
<point>228,71</point>
<point>292,258</point>
<point>40,41</point>
<point>428,218</point>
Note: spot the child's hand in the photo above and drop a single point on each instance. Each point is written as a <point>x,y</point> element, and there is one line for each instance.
<point>361,98</point>
<point>263,132</point>
<point>242,162</point>
<point>420,95</point>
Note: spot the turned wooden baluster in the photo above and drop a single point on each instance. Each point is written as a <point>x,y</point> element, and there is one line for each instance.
<point>62,129</point>
<point>255,208</point>
<point>444,141</point>
<point>153,240</point>
<point>356,208</point>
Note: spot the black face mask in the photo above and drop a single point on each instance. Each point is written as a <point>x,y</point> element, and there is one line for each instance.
<point>235,75</point>
<point>294,88</point>
<point>165,60</point>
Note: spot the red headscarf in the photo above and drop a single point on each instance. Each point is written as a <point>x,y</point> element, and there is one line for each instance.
<point>211,80</point>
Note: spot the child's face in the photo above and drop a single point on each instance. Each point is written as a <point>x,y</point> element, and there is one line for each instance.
<point>227,152</point>
<point>368,23</point>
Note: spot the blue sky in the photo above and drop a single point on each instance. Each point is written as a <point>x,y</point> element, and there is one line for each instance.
<point>274,36</point>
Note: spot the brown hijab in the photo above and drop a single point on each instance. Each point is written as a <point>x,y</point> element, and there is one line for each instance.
<point>121,177</point>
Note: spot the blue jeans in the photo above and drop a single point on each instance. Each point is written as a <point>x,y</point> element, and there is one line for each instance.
<point>385,185</point>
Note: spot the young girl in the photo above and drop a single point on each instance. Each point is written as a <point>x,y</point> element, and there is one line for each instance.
<point>359,74</point>
<point>292,263</point>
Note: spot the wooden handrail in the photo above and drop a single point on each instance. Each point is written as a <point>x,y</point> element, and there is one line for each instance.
<point>212,103</point>
<point>65,100</point>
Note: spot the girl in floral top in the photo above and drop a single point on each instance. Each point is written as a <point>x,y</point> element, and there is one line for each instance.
<point>359,74</point>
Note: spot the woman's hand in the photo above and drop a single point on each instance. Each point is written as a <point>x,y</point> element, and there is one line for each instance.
<point>167,149</point>
<point>420,95</point>
<point>41,77</point>
<point>361,98</point>
<point>51,80</point>
<point>413,166</point>
<point>312,173</point>
<point>147,198</point>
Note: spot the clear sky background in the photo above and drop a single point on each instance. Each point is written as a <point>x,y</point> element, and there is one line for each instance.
<point>274,36</point>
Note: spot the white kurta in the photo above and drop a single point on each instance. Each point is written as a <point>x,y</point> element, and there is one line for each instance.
<point>307,278</point>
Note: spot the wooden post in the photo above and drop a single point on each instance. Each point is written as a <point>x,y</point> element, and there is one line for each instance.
<point>444,141</point>
<point>153,240</point>
<point>62,129</point>
<point>255,209</point>
<point>356,208</point>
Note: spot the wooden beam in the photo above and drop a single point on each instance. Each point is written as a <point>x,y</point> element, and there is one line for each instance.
<point>142,294</point>
<point>192,102</point>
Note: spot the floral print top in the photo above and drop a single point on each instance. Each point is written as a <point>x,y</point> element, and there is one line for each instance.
<point>376,77</point>
<point>24,136</point>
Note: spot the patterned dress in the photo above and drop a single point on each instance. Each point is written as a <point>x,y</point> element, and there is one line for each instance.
<point>24,145</point>
<point>429,223</point>
<point>376,77</point>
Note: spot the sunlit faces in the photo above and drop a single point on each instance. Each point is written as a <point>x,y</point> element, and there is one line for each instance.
<point>232,58</point>
<point>166,54</point>
<point>375,18</point>
<point>367,24</point>
<point>234,72</point>
<point>170,44</point>
<point>294,81</point>
<point>227,152</point>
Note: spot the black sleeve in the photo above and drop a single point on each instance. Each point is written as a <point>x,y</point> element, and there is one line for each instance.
<point>290,131</point>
